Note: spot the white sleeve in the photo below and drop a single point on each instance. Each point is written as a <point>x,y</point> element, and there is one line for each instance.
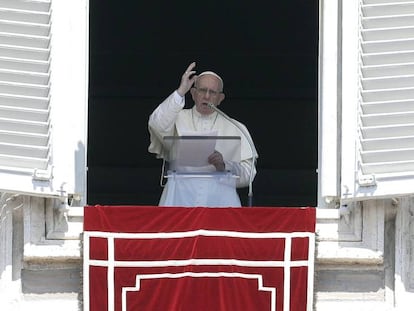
<point>242,169</point>
<point>163,118</point>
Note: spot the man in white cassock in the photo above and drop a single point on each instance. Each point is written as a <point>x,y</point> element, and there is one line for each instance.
<point>225,170</point>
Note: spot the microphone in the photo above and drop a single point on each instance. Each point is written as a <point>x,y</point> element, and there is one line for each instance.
<point>251,145</point>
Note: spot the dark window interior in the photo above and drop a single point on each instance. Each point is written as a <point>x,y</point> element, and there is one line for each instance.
<point>266,52</point>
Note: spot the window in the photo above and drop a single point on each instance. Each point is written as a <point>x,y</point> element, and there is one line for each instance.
<point>43,87</point>
<point>378,99</point>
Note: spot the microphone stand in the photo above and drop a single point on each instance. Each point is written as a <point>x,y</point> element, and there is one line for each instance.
<point>251,144</point>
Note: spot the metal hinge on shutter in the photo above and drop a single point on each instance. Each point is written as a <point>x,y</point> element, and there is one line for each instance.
<point>366,180</point>
<point>43,175</point>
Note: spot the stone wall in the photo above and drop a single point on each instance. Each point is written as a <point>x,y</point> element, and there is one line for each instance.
<point>364,260</point>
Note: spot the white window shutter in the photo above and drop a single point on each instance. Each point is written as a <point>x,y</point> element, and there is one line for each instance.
<point>42,97</point>
<point>384,107</point>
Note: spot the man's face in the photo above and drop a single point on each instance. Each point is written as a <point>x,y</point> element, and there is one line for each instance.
<point>207,89</point>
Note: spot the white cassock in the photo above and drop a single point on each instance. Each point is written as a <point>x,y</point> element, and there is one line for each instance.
<point>216,190</point>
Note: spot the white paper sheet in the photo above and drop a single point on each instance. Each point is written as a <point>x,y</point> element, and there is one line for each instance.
<point>195,152</point>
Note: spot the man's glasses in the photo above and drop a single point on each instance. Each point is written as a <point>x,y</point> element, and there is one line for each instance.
<point>204,91</point>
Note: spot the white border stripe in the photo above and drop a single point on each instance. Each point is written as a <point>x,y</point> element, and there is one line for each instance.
<point>201,262</point>
<point>258,277</point>
<point>171,235</point>
<point>111,274</point>
<point>286,277</point>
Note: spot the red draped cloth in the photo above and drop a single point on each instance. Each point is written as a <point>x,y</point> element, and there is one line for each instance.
<point>198,259</point>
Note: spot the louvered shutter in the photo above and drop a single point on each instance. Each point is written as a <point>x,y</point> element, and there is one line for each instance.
<point>384,149</point>
<point>34,145</point>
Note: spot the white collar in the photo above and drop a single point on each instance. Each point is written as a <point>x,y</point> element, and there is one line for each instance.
<point>211,116</point>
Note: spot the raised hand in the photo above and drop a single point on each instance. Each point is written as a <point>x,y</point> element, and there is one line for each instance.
<point>187,80</point>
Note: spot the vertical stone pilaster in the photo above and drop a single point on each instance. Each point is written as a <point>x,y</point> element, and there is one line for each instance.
<point>6,225</point>
<point>404,254</point>
<point>11,247</point>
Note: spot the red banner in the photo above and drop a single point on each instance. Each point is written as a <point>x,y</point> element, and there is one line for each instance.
<point>172,258</point>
